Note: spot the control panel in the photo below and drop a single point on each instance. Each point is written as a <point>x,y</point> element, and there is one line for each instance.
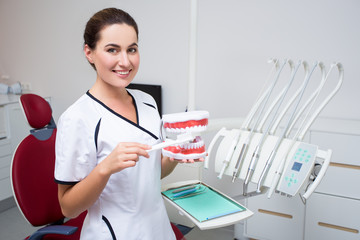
<point>298,169</point>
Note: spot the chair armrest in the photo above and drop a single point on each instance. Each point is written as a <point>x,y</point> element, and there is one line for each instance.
<point>52,229</point>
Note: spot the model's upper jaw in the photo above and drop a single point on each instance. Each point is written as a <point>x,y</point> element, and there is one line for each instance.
<point>195,121</point>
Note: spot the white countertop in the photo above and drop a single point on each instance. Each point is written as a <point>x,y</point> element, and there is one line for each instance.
<point>9,98</point>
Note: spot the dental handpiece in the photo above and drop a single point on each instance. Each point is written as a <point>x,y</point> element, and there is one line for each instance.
<point>229,155</point>
<point>265,170</point>
<point>239,161</point>
<point>278,174</point>
<point>251,169</point>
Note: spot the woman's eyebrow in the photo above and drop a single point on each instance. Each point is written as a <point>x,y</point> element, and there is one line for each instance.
<point>133,45</point>
<point>112,45</point>
<point>117,46</point>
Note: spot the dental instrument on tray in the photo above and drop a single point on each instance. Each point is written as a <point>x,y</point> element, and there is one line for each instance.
<point>258,149</point>
<point>302,131</point>
<point>183,131</point>
<point>287,125</point>
<point>262,101</point>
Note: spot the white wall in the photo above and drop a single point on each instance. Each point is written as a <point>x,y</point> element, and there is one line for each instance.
<point>236,38</point>
<point>41,43</point>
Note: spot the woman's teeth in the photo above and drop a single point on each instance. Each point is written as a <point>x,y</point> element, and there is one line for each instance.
<point>122,72</point>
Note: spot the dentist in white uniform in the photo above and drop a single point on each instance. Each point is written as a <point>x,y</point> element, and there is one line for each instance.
<point>102,165</point>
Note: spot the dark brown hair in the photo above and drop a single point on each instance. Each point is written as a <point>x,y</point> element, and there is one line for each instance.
<point>103,18</point>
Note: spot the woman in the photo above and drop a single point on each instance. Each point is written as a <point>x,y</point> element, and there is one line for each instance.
<point>102,163</point>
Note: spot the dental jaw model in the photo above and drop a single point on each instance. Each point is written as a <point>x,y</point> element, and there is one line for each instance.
<point>183,135</point>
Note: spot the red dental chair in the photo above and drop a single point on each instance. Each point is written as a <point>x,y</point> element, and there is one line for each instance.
<point>32,176</point>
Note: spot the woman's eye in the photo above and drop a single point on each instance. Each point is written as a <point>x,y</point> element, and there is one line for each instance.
<point>112,50</point>
<point>132,50</point>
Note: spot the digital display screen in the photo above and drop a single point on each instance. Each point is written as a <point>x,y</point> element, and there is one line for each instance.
<point>296,166</point>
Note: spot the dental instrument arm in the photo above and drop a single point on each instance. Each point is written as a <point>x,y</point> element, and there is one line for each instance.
<point>262,101</point>
<point>327,100</point>
<point>229,154</point>
<point>296,137</point>
<point>256,155</point>
<point>302,130</point>
<point>243,151</point>
<point>279,141</point>
<point>211,146</point>
<point>312,99</point>
<point>290,102</point>
<point>320,175</point>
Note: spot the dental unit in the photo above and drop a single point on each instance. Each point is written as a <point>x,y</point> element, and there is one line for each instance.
<point>267,152</point>
<point>265,159</point>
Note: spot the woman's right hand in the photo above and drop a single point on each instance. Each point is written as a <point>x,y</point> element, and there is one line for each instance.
<point>124,155</point>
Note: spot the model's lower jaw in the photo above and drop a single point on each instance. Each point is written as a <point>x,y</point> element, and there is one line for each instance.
<point>192,150</point>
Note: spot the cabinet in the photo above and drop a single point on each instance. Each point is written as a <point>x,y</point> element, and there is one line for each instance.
<point>14,129</point>
<point>333,210</point>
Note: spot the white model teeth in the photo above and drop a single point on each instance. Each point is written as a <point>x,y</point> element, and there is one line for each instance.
<point>187,129</point>
<point>193,145</point>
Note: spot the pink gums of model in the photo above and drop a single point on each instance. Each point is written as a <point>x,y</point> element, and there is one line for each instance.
<point>182,123</point>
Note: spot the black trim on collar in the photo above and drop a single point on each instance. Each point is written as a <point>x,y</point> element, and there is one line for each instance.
<point>122,117</point>
<point>150,105</point>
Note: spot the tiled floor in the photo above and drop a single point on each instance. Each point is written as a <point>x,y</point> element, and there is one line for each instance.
<point>13,226</point>
<point>214,234</point>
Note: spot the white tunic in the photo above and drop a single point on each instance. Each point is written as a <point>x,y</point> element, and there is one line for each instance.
<point>130,206</point>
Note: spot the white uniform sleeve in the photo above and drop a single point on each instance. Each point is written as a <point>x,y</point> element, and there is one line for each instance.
<point>75,149</point>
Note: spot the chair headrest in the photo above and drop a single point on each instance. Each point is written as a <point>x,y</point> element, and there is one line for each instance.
<point>37,110</point>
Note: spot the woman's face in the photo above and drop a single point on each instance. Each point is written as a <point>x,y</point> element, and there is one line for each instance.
<point>116,56</point>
